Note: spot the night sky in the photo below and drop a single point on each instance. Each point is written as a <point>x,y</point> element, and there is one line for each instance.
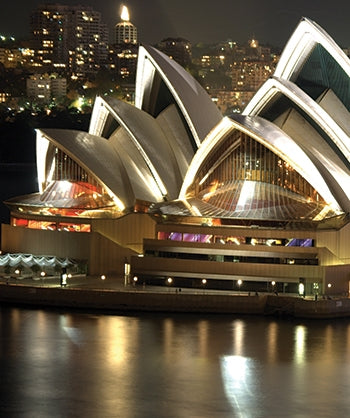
<point>270,21</point>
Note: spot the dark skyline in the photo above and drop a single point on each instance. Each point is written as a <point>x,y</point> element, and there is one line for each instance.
<point>270,21</point>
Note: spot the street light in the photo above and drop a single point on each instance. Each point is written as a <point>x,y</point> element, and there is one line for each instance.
<point>42,275</point>
<point>126,273</point>
<point>103,277</point>
<point>169,282</point>
<point>301,287</point>
<point>273,283</point>
<point>63,280</point>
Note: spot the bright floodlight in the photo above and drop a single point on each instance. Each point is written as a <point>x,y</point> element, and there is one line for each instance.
<point>301,289</point>
<point>125,14</point>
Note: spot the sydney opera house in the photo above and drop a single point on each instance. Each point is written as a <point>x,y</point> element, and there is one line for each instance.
<point>170,188</point>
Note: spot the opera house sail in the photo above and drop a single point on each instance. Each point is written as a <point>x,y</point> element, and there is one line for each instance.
<point>260,196</point>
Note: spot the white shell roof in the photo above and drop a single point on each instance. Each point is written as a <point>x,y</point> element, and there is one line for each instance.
<point>273,138</point>
<point>306,35</point>
<point>110,167</point>
<point>324,137</point>
<point>148,139</point>
<point>146,156</point>
<point>187,92</point>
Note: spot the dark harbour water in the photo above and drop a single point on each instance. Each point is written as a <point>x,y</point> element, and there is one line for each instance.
<point>62,364</point>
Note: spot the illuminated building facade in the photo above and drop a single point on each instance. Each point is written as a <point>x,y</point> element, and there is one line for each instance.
<point>250,75</point>
<point>262,197</point>
<point>44,87</point>
<point>122,56</point>
<point>72,38</point>
<point>125,31</point>
<point>232,74</point>
<point>178,49</point>
<point>10,58</point>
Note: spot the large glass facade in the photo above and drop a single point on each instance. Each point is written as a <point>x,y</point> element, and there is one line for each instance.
<point>70,191</point>
<point>70,194</point>
<point>50,225</point>
<point>320,72</point>
<point>72,186</point>
<point>242,178</point>
<point>67,169</point>
<point>235,239</point>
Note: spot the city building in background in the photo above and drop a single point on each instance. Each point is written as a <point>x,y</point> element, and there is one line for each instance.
<point>71,38</point>
<point>125,31</point>
<point>178,49</point>
<point>45,87</point>
<point>122,57</point>
<point>232,73</point>
<point>73,41</point>
<point>3,97</point>
<point>11,58</point>
<point>171,188</point>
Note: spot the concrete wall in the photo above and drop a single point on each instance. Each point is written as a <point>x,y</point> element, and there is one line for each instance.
<point>337,244</point>
<point>103,255</point>
<point>40,242</point>
<point>243,250</point>
<point>322,308</point>
<point>107,257</point>
<point>133,300</point>
<point>113,241</point>
<point>128,231</point>
<point>207,269</point>
<point>338,277</point>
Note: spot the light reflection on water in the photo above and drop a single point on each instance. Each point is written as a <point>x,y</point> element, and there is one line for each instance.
<point>59,364</point>
<point>300,342</point>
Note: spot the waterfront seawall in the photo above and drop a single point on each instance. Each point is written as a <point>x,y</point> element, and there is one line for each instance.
<point>132,300</point>
<point>138,300</point>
